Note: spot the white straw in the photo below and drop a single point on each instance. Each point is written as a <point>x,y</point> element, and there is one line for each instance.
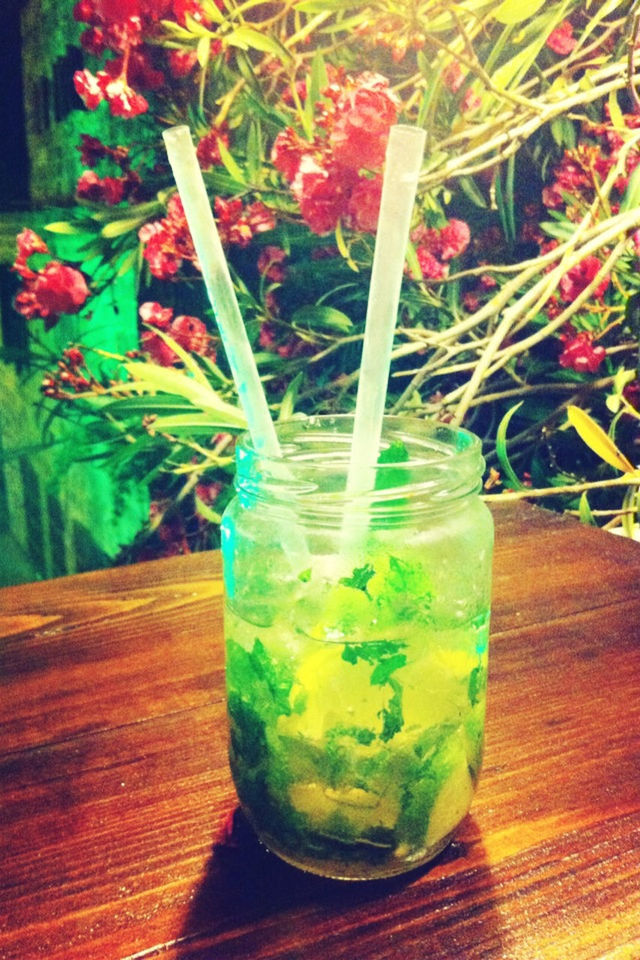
<point>215,270</point>
<point>402,166</point>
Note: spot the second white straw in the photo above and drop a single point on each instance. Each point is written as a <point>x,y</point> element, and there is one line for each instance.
<point>404,154</point>
<point>215,271</point>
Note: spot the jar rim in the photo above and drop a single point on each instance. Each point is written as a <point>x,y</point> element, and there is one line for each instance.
<point>436,462</point>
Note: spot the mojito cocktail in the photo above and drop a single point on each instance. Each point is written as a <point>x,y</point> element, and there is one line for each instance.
<point>357,693</point>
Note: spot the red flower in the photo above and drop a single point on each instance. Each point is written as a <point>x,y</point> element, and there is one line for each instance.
<point>579,352</point>
<point>270,263</point>
<point>453,76</point>
<point>454,239</point>
<point>159,351</point>
<point>208,149</point>
<point>322,194</point>
<point>85,12</point>
<point>259,217</point>
<point>109,190</point>
<point>188,332</point>
<point>50,292</point>
<point>361,127</point>
<point>88,88</point>
<point>191,333</point>
<point>123,99</point>
<point>160,250</point>
<point>287,153</point>
<point>363,208</point>
<point>93,41</point>
<point>561,40</point>
<point>28,243</point>
<point>155,314</point>
<point>182,62</point>
<point>579,277</point>
<point>432,268</point>
<point>60,289</point>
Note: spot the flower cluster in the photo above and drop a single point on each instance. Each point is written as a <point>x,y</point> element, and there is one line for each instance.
<point>336,176</point>
<point>167,243</point>
<point>108,189</point>
<point>51,290</point>
<point>435,247</point>
<point>190,333</point>
<point>71,376</point>
<point>127,29</point>
<point>578,178</point>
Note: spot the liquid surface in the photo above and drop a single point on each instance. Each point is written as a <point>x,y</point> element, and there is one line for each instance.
<point>356,719</point>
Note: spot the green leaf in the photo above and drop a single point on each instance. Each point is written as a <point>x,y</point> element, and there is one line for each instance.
<point>386,667</point>
<point>190,363</point>
<point>118,228</point>
<point>515,11</point>
<point>64,227</point>
<point>230,165</point>
<point>151,377</point>
<point>501,448</point>
<point>313,315</point>
<point>597,440</point>
<point>204,510</point>
<point>631,198</point>
<point>586,516</point>
<point>473,192</point>
<point>192,423</point>
<point>396,452</point>
<point>254,151</point>
<point>248,38</point>
<point>359,578</point>
<point>392,716</point>
<point>203,50</point>
<point>288,404</point>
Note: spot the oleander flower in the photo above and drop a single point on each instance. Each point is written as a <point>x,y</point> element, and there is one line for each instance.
<point>579,352</point>
<point>579,277</point>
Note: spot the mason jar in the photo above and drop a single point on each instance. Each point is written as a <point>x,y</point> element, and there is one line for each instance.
<point>356,630</point>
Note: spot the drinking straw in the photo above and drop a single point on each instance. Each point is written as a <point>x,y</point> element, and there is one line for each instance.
<point>405,149</point>
<point>215,271</point>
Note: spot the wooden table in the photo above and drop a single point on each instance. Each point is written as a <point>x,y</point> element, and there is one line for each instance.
<point>116,798</point>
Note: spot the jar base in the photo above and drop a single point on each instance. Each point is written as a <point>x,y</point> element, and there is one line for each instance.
<point>342,870</point>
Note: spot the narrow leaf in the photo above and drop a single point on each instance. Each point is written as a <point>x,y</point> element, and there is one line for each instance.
<point>515,11</point>
<point>597,440</point>
<point>501,448</point>
<point>230,164</point>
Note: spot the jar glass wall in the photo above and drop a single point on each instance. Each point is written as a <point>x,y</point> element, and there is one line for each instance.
<point>356,629</point>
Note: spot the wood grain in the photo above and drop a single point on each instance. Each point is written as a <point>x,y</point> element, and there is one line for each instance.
<point>118,835</point>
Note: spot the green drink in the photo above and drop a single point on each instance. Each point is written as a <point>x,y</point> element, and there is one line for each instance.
<point>356,697</point>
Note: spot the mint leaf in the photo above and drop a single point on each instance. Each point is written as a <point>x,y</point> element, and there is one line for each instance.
<point>372,652</point>
<point>396,452</point>
<point>276,677</point>
<point>305,575</point>
<point>385,668</point>
<point>391,715</point>
<point>359,578</point>
<point>477,682</point>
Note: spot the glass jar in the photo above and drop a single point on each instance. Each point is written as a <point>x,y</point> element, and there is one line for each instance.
<point>356,630</point>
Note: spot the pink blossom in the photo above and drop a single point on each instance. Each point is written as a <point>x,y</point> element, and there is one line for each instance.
<point>579,353</point>
<point>579,277</point>
<point>109,190</point>
<point>321,193</point>
<point>561,40</point>
<point>361,127</point>
<point>363,207</point>
<point>454,239</point>
<point>182,62</point>
<point>88,88</point>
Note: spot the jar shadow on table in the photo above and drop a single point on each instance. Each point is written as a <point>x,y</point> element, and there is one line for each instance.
<point>448,905</point>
